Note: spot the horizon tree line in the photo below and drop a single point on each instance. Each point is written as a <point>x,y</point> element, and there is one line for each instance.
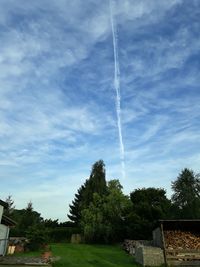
<point>102,213</point>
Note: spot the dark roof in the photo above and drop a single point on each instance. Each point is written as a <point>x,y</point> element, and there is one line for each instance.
<point>181,224</point>
<point>4,204</point>
<point>7,221</point>
<point>181,220</point>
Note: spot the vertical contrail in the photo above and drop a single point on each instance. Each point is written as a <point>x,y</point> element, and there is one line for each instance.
<point>117,85</point>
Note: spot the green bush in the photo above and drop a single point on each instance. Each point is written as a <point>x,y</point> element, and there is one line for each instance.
<point>37,237</point>
<point>62,234</point>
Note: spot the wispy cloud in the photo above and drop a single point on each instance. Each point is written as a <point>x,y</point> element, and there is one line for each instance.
<point>57,104</point>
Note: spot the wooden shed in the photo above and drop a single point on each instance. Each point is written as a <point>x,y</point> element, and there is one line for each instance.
<point>180,241</point>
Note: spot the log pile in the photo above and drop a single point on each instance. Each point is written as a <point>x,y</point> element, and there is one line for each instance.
<point>182,240</point>
<point>129,246</point>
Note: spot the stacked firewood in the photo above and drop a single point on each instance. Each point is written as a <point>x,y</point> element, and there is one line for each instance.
<point>182,240</point>
<point>129,246</point>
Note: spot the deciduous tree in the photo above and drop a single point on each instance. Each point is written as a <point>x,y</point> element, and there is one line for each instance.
<point>149,205</point>
<point>103,220</point>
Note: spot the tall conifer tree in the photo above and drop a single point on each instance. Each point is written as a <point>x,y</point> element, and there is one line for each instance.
<point>96,182</point>
<point>84,196</point>
<point>75,208</point>
<point>186,196</point>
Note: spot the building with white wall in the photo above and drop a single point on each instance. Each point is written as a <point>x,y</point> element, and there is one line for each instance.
<point>5,224</point>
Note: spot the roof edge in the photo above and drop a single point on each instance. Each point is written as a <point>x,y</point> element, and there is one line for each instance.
<point>8,221</point>
<point>4,204</point>
<point>180,220</point>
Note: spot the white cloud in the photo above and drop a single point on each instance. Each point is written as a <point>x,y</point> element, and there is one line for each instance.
<point>53,126</point>
<point>145,11</point>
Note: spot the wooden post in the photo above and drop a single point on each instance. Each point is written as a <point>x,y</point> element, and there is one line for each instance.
<point>163,240</point>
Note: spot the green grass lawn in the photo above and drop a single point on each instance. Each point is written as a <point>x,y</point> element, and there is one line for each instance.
<point>91,255</point>
<point>27,254</point>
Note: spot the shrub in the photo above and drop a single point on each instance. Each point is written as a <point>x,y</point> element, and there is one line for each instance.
<point>62,234</point>
<point>37,237</point>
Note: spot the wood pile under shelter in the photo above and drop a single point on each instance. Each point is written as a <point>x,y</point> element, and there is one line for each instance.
<point>180,240</point>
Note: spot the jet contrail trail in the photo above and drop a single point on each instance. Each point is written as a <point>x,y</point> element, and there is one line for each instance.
<point>117,86</point>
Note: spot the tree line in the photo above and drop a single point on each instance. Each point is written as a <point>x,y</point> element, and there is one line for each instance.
<point>39,231</point>
<point>102,213</point>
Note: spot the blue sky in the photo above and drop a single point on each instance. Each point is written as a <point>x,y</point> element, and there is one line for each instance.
<point>58,101</point>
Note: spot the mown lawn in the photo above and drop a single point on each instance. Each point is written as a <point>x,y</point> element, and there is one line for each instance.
<point>28,254</point>
<point>82,255</point>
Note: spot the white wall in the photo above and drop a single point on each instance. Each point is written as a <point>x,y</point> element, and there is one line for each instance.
<point>1,212</point>
<point>4,232</point>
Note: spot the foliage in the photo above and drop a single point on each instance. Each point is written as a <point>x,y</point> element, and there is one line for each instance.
<point>95,184</point>
<point>105,215</point>
<point>37,236</point>
<point>75,207</point>
<point>25,218</point>
<point>94,227</point>
<point>103,220</point>
<point>61,234</point>
<point>115,209</point>
<point>49,223</point>
<point>149,205</point>
<point>66,224</point>
<point>29,206</point>
<point>11,207</point>
<point>30,224</point>
<point>186,196</point>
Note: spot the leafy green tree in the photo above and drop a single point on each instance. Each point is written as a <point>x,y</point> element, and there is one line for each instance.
<point>93,224</point>
<point>186,196</point>
<point>103,220</point>
<point>66,224</point>
<point>25,218</point>
<point>149,205</point>
<point>115,210</point>
<point>49,223</point>
<point>30,217</point>
<point>151,200</point>
<point>37,236</point>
